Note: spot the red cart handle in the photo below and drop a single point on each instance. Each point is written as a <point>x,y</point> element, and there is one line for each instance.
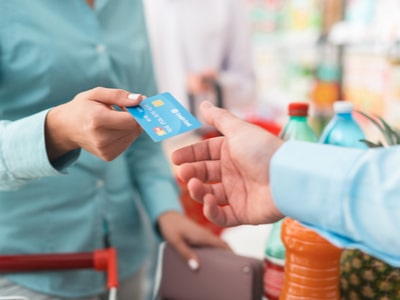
<point>99,260</point>
<point>106,260</point>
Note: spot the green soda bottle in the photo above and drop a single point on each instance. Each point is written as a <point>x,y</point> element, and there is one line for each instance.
<point>297,128</point>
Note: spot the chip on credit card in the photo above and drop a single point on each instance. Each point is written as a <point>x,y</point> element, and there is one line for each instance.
<point>162,116</point>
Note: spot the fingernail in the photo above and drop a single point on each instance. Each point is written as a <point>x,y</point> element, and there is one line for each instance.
<point>193,264</point>
<point>133,96</point>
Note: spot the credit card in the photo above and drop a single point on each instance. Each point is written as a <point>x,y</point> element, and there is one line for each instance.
<point>162,116</point>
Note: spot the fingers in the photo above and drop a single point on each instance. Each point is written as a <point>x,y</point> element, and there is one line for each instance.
<point>188,255</point>
<point>185,234</point>
<point>198,190</point>
<point>119,120</point>
<point>216,207</point>
<point>221,215</point>
<point>117,97</point>
<point>115,145</point>
<point>205,150</point>
<point>90,121</point>
<point>221,119</point>
<point>111,118</point>
<point>204,239</point>
<point>206,171</point>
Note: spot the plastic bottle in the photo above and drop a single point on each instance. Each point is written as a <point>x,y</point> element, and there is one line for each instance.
<point>311,263</point>
<point>296,128</point>
<point>274,262</point>
<point>342,129</point>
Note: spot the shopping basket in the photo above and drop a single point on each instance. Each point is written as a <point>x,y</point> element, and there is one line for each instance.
<point>102,260</point>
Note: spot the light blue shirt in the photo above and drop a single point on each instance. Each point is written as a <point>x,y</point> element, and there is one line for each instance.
<point>49,52</point>
<point>351,196</point>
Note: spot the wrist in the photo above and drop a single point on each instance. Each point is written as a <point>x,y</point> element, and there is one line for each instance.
<point>57,141</point>
<point>272,213</point>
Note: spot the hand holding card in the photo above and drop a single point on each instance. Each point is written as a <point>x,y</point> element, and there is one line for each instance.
<point>162,116</point>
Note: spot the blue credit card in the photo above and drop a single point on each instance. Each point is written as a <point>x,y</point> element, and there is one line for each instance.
<point>162,116</point>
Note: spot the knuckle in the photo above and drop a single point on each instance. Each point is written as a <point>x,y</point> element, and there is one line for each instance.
<point>93,125</point>
<point>89,93</point>
<point>97,90</point>
<point>119,93</point>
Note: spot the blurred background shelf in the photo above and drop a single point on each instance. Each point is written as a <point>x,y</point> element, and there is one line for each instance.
<point>320,51</point>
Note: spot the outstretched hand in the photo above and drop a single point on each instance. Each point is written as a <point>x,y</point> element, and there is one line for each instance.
<point>230,174</point>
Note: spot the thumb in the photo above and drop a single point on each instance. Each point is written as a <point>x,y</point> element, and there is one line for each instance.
<point>116,97</point>
<point>220,118</point>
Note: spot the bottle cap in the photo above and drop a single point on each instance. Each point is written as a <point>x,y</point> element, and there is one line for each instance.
<point>298,109</point>
<point>342,107</point>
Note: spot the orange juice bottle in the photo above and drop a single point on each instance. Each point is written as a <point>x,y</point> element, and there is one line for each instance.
<point>312,264</point>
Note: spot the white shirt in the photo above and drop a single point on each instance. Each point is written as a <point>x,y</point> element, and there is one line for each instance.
<point>194,35</point>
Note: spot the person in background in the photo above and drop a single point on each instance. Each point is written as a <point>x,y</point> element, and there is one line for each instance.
<point>198,43</point>
<point>76,174</point>
<point>249,176</point>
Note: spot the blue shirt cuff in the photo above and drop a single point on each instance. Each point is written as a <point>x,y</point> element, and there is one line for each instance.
<point>303,173</point>
<point>24,150</point>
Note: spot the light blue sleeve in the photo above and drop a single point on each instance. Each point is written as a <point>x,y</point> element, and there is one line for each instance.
<point>23,155</point>
<point>350,196</point>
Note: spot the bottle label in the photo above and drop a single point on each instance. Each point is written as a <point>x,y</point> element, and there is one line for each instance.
<point>273,280</point>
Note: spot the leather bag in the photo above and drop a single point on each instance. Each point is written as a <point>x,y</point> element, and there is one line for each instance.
<point>223,275</point>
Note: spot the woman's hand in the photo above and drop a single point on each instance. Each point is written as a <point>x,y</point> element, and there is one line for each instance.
<point>184,233</point>
<point>89,121</point>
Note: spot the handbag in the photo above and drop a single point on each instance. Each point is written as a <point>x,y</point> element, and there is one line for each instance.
<point>222,275</point>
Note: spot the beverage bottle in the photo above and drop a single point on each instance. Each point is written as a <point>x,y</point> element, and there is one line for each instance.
<point>311,262</point>
<point>274,261</point>
<point>296,128</point>
<point>312,265</point>
<point>342,129</point>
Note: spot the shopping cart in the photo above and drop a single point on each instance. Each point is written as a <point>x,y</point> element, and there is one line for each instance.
<point>102,260</point>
